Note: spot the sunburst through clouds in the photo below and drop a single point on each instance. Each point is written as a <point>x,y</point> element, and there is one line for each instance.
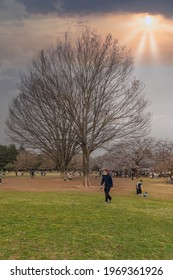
<point>143,31</point>
<point>147,43</point>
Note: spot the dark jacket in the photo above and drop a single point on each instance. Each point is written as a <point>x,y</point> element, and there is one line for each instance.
<point>107,179</point>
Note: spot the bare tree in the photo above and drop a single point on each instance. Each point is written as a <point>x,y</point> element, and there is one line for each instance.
<point>138,153</point>
<point>89,85</point>
<point>36,118</point>
<point>133,154</point>
<point>26,160</point>
<point>163,155</point>
<point>76,163</point>
<point>46,163</point>
<point>99,93</point>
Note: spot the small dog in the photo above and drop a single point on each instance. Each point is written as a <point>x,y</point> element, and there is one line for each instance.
<point>145,194</point>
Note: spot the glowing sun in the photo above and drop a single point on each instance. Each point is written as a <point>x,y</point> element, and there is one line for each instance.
<point>148,20</point>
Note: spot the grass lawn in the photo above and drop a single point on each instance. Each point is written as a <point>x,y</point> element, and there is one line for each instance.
<point>78,225</point>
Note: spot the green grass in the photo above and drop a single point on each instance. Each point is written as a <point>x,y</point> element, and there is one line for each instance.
<point>78,225</point>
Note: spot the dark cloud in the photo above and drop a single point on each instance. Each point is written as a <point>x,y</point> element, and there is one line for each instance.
<point>164,7</point>
<point>8,82</point>
<point>39,6</point>
<point>12,10</point>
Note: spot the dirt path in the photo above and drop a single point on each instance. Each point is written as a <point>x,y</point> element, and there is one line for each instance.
<point>122,186</point>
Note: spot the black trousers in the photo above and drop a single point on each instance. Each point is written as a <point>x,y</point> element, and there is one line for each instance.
<point>138,190</point>
<point>107,196</point>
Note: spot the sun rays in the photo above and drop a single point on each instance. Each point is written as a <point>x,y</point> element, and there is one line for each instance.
<point>144,33</point>
<point>148,36</point>
<point>147,46</point>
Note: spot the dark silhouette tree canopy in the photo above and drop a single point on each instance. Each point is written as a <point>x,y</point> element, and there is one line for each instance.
<point>8,154</point>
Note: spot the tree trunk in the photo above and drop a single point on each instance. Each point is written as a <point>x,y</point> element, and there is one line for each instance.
<point>62,169</point>
<point>63,174</point>
<point>86,181</point>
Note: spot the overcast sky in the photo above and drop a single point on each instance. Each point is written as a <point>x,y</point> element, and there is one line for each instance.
<point>145,27</point>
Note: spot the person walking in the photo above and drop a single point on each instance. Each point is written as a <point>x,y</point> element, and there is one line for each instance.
<point>32,174</point>
<point>108,184</point>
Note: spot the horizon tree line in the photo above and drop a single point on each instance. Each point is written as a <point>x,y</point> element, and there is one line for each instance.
<point>137,154</point>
